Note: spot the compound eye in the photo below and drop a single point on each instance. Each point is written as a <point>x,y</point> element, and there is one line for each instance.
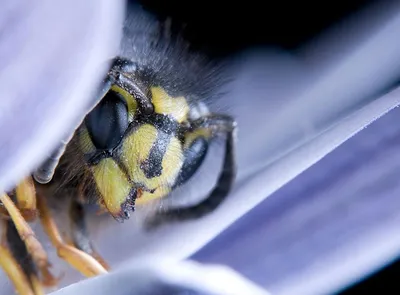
<point>108,121</point>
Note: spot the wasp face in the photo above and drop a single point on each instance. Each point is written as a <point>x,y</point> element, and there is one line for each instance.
<point>148,134</point>
<point>134,155</point>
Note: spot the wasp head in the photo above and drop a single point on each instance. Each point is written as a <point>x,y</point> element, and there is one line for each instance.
<point>131,142</point>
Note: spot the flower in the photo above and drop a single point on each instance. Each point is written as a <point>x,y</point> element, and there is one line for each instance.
<point>290,115</point>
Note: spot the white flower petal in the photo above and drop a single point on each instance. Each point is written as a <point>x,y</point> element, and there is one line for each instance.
<point>167,277</point>
<point>327,228</point>
<point>52,56</point>
<point>284,148</point>
<point>283,131</point>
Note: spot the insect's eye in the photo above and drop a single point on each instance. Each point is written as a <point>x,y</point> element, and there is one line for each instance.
<point>108,121</point>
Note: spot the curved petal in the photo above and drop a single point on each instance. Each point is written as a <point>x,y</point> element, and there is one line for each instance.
<point>52,56</point>
<point>306,120</point>
<point>278,138</point>
<point>330,226</point>
<point>167,277</point>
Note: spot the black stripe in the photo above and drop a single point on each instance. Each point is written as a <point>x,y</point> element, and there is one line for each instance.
<point>214,199</point>
<point>128,206</point>
<point>152,166</point>
<point>161,122</point>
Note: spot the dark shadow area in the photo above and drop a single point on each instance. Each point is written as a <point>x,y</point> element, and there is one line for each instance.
<point>384,279</point>
<point>222,27</point>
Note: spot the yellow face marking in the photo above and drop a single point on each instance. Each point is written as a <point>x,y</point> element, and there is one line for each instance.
<point>147,197</point>
<point>112,184</point>
<point>172,161</point>
<point>192,136</point>
<point>85,142</point>
<point>136,148</point>
<point>177,107</point>
<point>130,101</point>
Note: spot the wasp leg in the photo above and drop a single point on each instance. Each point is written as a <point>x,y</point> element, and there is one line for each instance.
<point>24,196</point>
<point>80,234</point>
<point>44,174</point>
<point>208,127</point>
<point>11,267</point>
<point>26,199</point>
<point>195,150</point>
<point>14,272</point>
<point>27,235</point>
<point>25,268</point>
<point>78,259</point>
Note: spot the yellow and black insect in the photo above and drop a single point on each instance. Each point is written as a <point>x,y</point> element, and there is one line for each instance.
<point>148,134</point>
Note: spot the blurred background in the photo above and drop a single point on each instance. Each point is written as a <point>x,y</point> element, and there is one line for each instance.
<point>289,25</point>
<point>299,85</point>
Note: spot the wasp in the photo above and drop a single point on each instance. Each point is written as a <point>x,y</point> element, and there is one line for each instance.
<point>148,134</point>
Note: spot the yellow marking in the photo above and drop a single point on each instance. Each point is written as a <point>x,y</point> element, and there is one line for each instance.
<point>85,141</point>
<point>135,150</point>
<point>192,136</point>
<point>130,101</point>
<point>147,197</point>
<point>177,107</point>
<point>112,184</point>
<point>172,161</point>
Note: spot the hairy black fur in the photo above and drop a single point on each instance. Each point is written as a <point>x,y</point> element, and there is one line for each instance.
<point>164,58</point>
